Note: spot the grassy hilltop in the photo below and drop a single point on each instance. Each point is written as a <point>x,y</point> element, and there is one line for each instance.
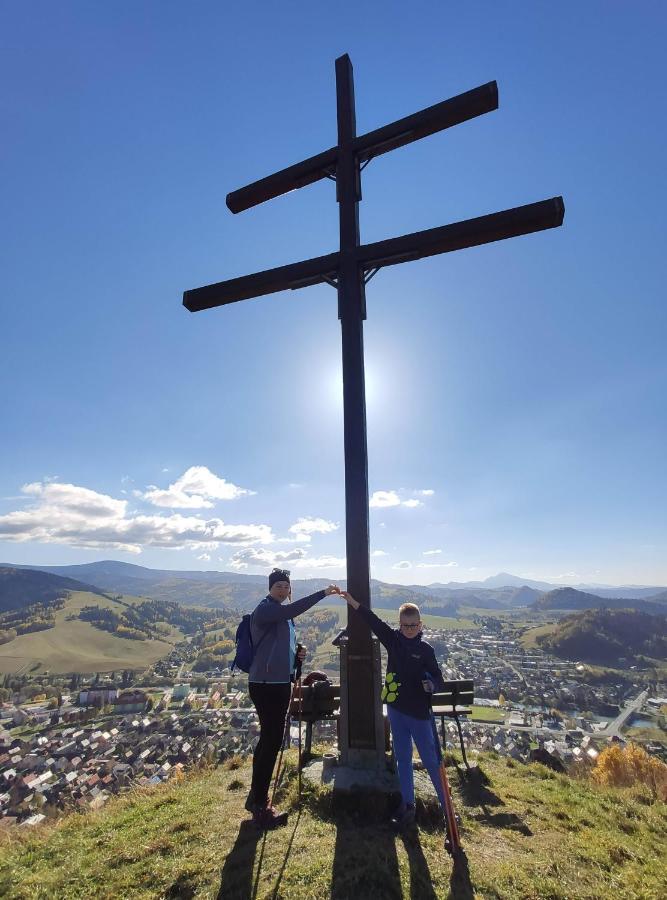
<point>528,833</point>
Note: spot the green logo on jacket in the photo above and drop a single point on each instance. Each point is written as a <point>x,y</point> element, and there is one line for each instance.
<point>390,689</point>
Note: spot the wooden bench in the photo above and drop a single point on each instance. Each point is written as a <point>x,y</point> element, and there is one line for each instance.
<point>451,703</point>
<point>321,702</point>
<point>318,702</point>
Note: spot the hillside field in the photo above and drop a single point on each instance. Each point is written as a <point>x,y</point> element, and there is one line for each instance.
<point>76,646</point>
<point>529,639</point>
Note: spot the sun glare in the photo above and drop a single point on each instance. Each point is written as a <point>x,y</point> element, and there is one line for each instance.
<point>373,381</point>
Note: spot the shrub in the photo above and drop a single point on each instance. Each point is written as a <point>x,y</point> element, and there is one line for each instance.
<point>632,765</point>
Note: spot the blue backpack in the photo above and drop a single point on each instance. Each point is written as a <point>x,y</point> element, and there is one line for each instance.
<point>245,649</point>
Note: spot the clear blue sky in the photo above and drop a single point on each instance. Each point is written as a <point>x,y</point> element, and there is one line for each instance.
<point>516,391</point>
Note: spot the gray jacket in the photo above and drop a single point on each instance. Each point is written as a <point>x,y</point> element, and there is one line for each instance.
<point>269,625</point>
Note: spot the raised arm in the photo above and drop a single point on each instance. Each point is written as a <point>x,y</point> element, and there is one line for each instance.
<point>268,613</point>
<point>383,631</point>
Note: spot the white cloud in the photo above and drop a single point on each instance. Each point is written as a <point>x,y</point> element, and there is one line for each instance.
<point>447,565</point>
<point>76,501</point>
<point>431,552</point>
<point>197,488</point>
<point>205,557</point>
<point>379,553</point>
<point>80,517</point>
<point>426,493</point>
<point>262,558</point>
<point>380,499</point>
<point>403,564</point>
<point>322,562</point>
<point>306,526</point>
<point>254,556</point>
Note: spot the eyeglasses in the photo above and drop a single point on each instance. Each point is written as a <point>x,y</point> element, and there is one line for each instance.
<point>281,572</point>
<point>409,624</point>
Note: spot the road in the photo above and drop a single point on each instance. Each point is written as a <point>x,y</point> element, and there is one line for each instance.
<point>632,706</point>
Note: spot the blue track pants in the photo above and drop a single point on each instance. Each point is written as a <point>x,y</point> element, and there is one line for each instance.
<point>405,730</point>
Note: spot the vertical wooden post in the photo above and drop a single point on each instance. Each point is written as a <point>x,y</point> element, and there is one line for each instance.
<point>360,698</point>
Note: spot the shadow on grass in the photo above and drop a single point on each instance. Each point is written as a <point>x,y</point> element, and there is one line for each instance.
<point>460,885</point>
<point>421,884</point>
<point>475,791</point>
<point>236,876</point>
<point>365,863</point>
<point>276,888</point>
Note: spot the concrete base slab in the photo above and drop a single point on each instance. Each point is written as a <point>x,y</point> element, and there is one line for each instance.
<point>342,779</point>
<point>347,780</point>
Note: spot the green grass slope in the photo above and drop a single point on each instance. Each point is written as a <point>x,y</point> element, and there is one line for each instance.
<point>77,646</point>
<point>527,832</point>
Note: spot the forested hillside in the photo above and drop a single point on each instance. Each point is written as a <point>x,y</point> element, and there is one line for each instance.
<point>606,636</point>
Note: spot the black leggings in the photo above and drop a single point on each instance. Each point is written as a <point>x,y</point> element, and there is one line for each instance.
<point>271,702</point>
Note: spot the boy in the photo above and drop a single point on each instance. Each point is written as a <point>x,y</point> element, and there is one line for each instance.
<point>413,674</point>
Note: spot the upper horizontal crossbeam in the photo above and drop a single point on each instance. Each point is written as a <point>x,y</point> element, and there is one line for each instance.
<point>411,128</point>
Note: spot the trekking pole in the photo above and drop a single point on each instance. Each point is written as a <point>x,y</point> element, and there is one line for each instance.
<point>282,747</point>
<point>286,730</point>
<point>300,718</point>
<point>450,815</point>
<point>453,841</point>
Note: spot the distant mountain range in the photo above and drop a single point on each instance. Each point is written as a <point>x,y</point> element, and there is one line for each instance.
<point>240,591</point>
<point>505,580</point>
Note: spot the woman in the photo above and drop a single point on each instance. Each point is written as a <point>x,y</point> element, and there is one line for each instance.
<point>269,684</point>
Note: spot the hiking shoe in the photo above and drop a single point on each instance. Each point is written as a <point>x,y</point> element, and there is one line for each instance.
<point>275,818</point>
<point>403,817</point>
<point>266,818</point>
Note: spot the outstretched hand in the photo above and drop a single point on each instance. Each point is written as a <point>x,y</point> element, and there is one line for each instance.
<point>349,599</point>
<point>332,589</point>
